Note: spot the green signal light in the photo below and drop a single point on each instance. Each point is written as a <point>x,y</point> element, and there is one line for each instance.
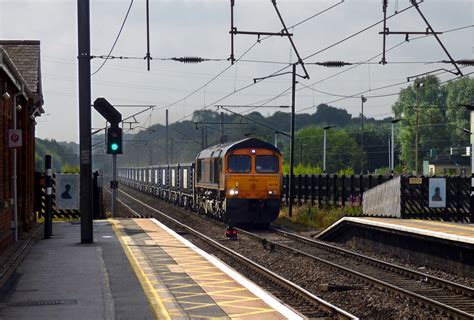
<point>114,146</point>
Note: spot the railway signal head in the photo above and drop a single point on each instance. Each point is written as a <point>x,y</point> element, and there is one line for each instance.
<point>114,140</point>
<point>231,233</point>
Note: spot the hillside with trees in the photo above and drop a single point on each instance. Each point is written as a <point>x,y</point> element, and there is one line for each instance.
<point>440,123</point>
<point>65,158</point>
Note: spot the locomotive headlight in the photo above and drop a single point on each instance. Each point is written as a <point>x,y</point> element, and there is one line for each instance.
<point>233,192</point>
<point>270,192</point>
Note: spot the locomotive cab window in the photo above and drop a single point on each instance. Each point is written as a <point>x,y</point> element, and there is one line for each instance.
<point>267,164</point>
<point>239,163</point>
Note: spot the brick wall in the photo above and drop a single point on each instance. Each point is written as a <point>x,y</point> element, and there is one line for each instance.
<point>25,165</point>
<point>5,165</point>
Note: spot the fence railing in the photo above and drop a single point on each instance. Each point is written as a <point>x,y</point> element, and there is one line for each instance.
<point>414,194</point>
<point>331,189</point>
<point>415,199</point>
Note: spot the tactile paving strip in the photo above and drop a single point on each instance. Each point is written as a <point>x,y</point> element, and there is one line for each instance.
<point>189,285</point>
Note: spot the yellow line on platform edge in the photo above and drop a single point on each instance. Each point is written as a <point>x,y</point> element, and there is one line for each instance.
<point>154,299</point>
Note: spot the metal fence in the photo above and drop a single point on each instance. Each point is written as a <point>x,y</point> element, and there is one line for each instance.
<point>415,199</point>
<point>331,189</point>
<point>343,190</point>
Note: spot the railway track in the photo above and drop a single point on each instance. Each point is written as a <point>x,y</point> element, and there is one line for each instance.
<point>448,298</point>
<point>309,305</point>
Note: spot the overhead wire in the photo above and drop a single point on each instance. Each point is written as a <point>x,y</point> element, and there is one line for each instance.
<point>245,87</point>
<point>116,38</point>
<point>373,57</point>
<point>343,40</point>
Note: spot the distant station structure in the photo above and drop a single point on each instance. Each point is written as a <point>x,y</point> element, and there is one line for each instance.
<point>21,102</point>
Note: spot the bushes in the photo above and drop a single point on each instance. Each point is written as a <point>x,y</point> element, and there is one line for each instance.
<point>319,218</point>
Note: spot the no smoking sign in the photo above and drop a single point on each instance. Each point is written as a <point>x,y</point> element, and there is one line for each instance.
<point>14,138</point>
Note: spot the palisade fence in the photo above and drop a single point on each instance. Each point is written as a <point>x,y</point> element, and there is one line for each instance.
<point>415,200</point>
<point>340,191</point>
<point>331,189</point>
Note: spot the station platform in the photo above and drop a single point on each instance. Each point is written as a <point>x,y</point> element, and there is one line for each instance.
<point>438,229</point>
<point>135,269</point>
<point>444,245</point>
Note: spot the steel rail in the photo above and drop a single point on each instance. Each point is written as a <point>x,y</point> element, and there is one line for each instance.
<point>468,291</point>
<point>436,305</point>
<point>280,281</point>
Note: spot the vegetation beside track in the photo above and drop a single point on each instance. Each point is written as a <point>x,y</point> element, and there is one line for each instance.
<point>314,218</point>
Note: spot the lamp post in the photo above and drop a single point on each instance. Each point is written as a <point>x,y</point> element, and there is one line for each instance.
<point>418,85</point>
<point>301,153</point>
<point>363,100</point>
<point>324,147</point>
<point>392,145</point>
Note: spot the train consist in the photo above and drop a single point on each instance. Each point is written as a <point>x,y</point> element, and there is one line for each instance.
<point>238,182</point>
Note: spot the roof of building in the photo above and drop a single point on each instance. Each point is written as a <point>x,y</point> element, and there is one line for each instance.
<point>25,54</point>
<point>221,149</point>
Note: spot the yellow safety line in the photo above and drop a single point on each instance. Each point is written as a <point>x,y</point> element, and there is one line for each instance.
<point>154,299</point>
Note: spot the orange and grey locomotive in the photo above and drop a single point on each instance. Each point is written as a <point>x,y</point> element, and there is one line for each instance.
<point>238,182</point>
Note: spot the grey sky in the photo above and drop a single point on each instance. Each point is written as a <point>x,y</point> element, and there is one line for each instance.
<point>201,28</point>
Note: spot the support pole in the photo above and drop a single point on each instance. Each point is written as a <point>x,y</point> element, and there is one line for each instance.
<point>324,152</point>
<point>471,208</point>
<point>276,139</point>
<point>362,99</point>
<point>292,142</point>
<point>390,155</point>
<point>166,137</point>
<point>203,145</point>
<point>48,170</point>
<point>392,147</point>
<point>171,150</point>
<point>221,129</point>
<point>232,59</point>
<point>83,30</point>
<point>15,169</point>
<point>114,185</point>
<point>148,57</point>
<point>416,138</point>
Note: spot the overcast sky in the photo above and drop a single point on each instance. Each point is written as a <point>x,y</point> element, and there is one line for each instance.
<point>201,28</point>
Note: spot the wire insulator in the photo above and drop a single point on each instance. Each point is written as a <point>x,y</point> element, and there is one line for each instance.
<point>333,64</point>
<point>188,59</point>
<point>466,62</point>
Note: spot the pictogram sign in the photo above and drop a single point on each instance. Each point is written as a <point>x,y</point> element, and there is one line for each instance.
<point>14,138</point>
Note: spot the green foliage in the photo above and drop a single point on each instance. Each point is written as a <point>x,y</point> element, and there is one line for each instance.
<point>346,172</point>
<point>62,155</point>
<point>303,169</point>
<point>440,118</point>
<point>321,218</point>
<point>71,169</point>
<point>342,150</point>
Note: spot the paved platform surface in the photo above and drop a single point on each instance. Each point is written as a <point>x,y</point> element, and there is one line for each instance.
<point>135,269</point>
<point>184,282</point>
<point>437,229</point>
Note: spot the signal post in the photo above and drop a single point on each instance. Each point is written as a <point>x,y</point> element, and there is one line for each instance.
<point>114,142</point>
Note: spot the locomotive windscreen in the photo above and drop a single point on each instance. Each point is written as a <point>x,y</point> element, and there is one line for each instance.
<point>239,163</point>
<point>266,164</point>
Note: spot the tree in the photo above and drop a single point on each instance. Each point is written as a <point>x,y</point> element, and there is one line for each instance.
<point>423,108</point>
<point>342,150</point>
<point>459,92</point>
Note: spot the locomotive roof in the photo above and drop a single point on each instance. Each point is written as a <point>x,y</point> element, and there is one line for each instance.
<point>221,149</point>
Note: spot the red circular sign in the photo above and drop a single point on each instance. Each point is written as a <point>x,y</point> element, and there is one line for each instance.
<point>15,137</point>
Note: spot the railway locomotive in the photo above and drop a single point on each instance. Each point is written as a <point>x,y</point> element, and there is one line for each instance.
<point>238,182</point>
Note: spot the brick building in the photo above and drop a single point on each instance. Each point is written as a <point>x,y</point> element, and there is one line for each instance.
<point>20,82</point>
